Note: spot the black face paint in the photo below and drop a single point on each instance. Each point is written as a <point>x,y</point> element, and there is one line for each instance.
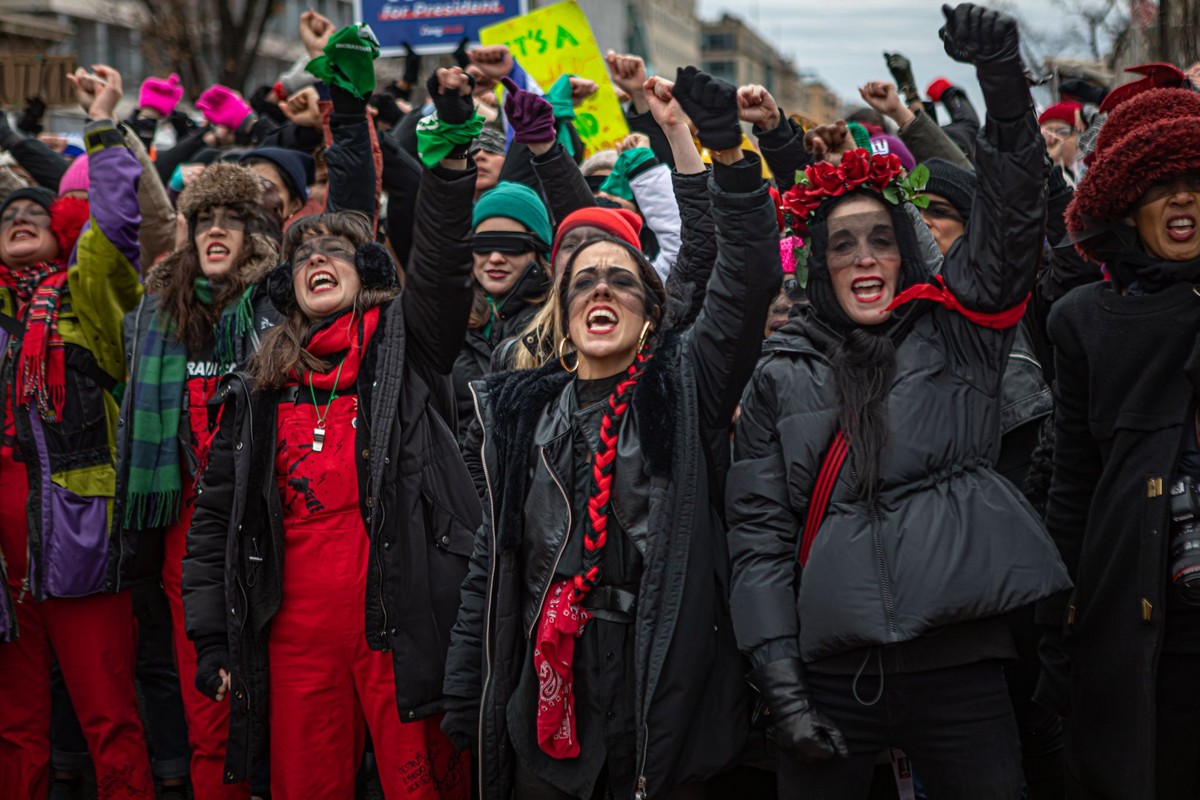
<point>328,246</point>
<point>507,242</point>
<point>854,237</point>
<point>940,210</point>
<point>220,217</point>
<point>621,281</point>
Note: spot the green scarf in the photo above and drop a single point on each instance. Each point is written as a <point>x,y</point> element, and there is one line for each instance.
<point>629,164</point>
<point>155,479</point>
<point>559,98</point>
<point>437,139</point>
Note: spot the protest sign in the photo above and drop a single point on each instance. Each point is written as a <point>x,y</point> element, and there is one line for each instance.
<point>431,26</point>
<point>555,40</point>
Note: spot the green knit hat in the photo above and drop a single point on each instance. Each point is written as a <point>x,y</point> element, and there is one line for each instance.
<point>518,202</point>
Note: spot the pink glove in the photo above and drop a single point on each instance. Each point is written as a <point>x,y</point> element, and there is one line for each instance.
<point>159,95</point>
<point>220,105</point>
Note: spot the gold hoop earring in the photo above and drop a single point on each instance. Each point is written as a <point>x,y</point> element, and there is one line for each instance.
<point>642,338</point>
<point>562,360</point>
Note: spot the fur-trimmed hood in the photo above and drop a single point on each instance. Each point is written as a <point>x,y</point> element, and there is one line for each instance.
<point>263,256</point>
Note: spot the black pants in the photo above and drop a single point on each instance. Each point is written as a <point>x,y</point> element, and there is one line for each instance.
<point>1177,753</point>
<point>956,726</point>
<point>530,787</point>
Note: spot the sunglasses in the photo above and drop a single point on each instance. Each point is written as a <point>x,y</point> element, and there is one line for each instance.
<point>508,243</point>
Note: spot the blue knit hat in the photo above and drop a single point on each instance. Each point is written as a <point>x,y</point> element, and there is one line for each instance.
<point>294,167</point>
<point>518,202</point>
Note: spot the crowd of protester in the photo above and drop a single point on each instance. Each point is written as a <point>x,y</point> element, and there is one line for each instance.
<point>364,434</point>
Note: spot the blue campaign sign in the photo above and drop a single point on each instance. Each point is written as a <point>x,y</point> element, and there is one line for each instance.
<point>432,26</point>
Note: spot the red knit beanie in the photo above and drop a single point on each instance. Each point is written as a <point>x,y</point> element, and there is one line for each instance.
<point>1151,136</point>
<point>1061,112</point>
<point>617,222</point>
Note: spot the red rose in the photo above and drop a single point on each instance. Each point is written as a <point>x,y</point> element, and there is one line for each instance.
<point>825,178</point>
<point>884,170</point>
<point>856,167</point>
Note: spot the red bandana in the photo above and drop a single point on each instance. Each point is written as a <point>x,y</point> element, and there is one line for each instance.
<point>1001,320</point>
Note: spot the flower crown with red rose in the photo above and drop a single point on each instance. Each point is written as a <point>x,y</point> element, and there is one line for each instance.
<point>858,169</point>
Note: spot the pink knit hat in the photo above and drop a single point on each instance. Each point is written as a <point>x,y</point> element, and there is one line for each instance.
<point>75,179</point>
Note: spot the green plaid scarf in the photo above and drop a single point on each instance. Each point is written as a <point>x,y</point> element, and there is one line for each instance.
<point>155,480</point>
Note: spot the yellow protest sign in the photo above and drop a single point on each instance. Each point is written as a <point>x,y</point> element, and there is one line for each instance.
<point>555,40</point>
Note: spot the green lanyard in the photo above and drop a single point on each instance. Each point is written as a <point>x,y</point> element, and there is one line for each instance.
<point>319,430</point>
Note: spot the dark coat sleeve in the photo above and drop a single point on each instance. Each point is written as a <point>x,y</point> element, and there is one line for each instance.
<point>401,180</point>
<point>763,530</point>
<point>351,164</point>
<point>645,124</point>
<point>697,250</point>
<point>438,290</point>
<point>561,182</point>
<point>729,329</point>
<point>992,267</point>
<point>783,150</point>
<point>183,152</point>
<point>204,564</point>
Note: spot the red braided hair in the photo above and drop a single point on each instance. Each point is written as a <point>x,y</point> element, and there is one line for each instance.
<point>595,536</point>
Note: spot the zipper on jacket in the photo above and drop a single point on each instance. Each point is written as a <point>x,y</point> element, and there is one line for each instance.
<point>487,612</point>
<point>562,546</point>
<point>641,793</point>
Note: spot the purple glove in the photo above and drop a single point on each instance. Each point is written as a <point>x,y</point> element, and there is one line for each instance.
<point>220,105</point>
<point>531,117</point>
<point>160,96</point>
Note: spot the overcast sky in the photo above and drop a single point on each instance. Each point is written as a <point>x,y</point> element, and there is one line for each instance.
<point>842,41</point>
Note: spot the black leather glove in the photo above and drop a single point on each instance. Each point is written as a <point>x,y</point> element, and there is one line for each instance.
<point>977,35</point>
<point>801,731</point>
<point>461,722</point>
<point>902,74</point>
<point>211,658</point>
<point>452,107</point>
<point>711,103</point>
<point>30,120</point>
<point>989,40</point>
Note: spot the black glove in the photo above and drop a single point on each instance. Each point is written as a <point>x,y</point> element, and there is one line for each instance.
<point>460,54</point>
<point>182,124</point>
<point>461,722</point>
<point>30,120</point>
<point>211,658</point>
<point>412,65</point>
<point>902,74</point>
<point>801,731</point>
<point>452,107</point>
<point>977,35</point>
<point>990,40</point>
<point>712,105</point>
<point>348,108</point>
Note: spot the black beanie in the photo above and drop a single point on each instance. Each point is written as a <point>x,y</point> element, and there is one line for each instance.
<point>953,183</point>
<point>38,194</point>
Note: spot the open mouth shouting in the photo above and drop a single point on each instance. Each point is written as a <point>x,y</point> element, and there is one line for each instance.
<point>1181,228</point>
<point>217,251</point>
<point>602,320</point>
<point>867,290</point>
<point>321,281</point>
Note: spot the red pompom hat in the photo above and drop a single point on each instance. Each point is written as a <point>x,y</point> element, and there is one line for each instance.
<point>1151,136</point>
<point>618,222</point>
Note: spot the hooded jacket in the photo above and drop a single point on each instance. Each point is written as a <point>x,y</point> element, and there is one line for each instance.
<point>948,540</point>
<point>72,473</point>
<point>691,703</point>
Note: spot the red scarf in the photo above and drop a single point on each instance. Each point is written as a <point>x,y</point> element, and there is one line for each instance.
<point>1001,320</point>
<point>41,367</point>
<point>349,333</point>
<point>563,617</point>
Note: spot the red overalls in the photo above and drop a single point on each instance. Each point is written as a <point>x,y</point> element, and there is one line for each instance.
<point>325,682</point>
<point>207,721</point>
<point>94,640</point>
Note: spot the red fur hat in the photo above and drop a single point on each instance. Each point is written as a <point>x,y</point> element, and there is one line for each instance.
<point>1151,136</point>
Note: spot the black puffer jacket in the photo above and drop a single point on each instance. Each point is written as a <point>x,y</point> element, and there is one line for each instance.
<point>949,540</point>
<point>418,504</point>
<point>692,706</point>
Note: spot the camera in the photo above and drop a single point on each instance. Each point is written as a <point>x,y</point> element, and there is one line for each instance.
<point>1184,550</point>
